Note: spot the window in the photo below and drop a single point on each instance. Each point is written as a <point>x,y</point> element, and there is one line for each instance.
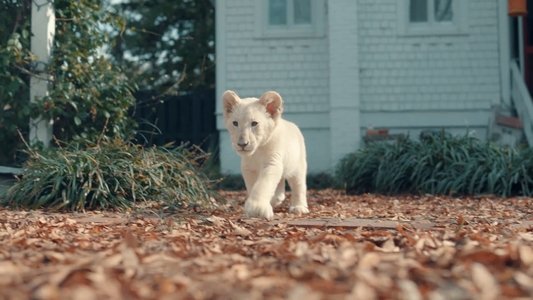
<point>289,13</point>
<point>290,18</point>
<point>432,17</point>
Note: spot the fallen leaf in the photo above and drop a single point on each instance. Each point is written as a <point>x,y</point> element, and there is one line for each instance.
<point>302,292</point>
<point>239,230</point>
<point>301,248</point>
<point>526,255</point>
<point>526,236</point>
<point>369,260</point>
<point>362,290</point>
<point>409,290</point>
<point>389,246</point>
<point>525,281</point>
<point>485,282</point>
<point>130,262</point>
<point>46,292</point>
<point>217,221</point>
<point>83,293</point>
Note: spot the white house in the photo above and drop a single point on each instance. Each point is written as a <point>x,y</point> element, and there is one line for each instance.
<point>345,66</point>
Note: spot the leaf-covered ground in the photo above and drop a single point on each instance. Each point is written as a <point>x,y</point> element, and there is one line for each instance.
<point>478,248</point>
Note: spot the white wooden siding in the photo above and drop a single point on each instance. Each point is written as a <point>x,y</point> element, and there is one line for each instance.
<point>297,68</point>
<point>417,73</point>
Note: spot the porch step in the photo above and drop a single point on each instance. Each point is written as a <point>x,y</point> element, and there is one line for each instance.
<point>381,134</point>
<point>508,121</point>
<point>505,129</point>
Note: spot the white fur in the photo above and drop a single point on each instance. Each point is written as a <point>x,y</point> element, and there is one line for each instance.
<point>272,150</point>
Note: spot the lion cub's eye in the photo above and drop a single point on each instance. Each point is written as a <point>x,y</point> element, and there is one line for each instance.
<point>254,123</point>
<point>235,123</point>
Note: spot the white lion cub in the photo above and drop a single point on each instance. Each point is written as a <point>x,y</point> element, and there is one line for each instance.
<point>271,149</point>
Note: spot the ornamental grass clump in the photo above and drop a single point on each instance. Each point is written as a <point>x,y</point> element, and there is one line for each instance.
<point>438,164</point>
<point>111,174</point>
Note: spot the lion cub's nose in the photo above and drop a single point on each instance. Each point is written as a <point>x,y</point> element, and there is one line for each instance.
<point>243,144</point>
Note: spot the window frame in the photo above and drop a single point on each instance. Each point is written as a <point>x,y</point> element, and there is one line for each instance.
<point>458,26</point>
<point>315,29</point>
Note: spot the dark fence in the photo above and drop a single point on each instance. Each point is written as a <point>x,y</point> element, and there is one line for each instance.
<point>188,118</point>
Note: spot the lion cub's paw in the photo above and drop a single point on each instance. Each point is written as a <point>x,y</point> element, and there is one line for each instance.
<point>299,209</point>
<point>259,210</point>
<point>277,200</point>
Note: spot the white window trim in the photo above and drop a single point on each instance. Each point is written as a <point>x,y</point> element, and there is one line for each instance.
<point>314,30</point>
<point>457,27</point>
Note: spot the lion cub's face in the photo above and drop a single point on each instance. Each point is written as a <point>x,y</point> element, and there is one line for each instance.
<point>250,121</point>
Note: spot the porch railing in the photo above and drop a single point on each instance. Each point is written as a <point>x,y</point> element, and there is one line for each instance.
<point>522,101</point>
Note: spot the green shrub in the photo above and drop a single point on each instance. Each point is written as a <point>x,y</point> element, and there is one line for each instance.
<point>15,57</point>
<point>438,164</point>
<point>111,174</point>
<point>320,181</point>
<point>88,95</point>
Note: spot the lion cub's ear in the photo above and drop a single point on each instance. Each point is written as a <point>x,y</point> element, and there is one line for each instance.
<point>230,99</point>
<point>273,103</point>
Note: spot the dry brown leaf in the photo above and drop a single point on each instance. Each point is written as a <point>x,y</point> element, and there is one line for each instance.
<point>238,230</point>
<point>347,257</point>
<point>130,262</point>
<point>83,293</point>
<point>130,240</point>
<point>240,271</point>
<point>485,282</point>
<point>303,292</point>
<point>526,236</point>
<point>8,268</point>
<point>525,281</point>
<point>486,257</point>
<point>444,256</point>
<point>389,246</point>
<point>55,256</point>
<point>112,261</point>
<point>409,290</point>
<point>47,292</point>
<point>526,254</point>
<point>69,221</point>
<point>301,248</point>
<point>369,261</point>
<point>217,221</point>
<point>181,280</point>
<point>265,282</point>
<point>108,285</point>
<point>159,258</point>
<point>362,290</point>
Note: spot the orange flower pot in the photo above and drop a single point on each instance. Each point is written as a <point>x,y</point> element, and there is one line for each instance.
<point>517,8</point>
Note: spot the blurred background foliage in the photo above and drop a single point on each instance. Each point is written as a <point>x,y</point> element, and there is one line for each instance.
<point>166,46</point>
<point>14,82</point>
<point>103,51</point>
<point>89,97</point>
<point>89,94</point>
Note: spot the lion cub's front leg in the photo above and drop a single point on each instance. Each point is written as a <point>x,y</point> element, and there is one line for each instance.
<point>263,189</point>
